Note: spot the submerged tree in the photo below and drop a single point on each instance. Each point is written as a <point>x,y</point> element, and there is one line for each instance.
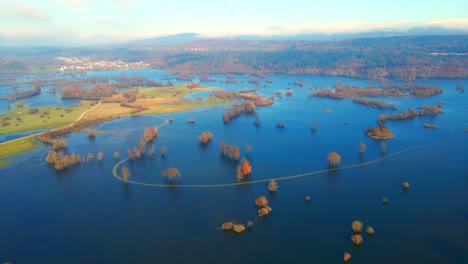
<point>243,169</point>
<point>58,144</point>
<point>230,151</point>
<point>356,226</point>
<point>163,151</point>
<point>142,145</point>
<point>150,133</point>
<point>357,239</point>
<point>138,153</point>
<point>125,173</point>
<point>89,157</point>
<point>248,148</point>
<point>171,173</point>
<point>249,106</point>
<point>272,186</point>
<point>405,185</point>
<point>51,156</point>
<point>313,126</point>
<point>130,154</point>
<point>346,256</point>
<point>334,158</point>
<point>238,228</point>
<point>152,150</point>
<point>227,225</point>
<point>99,155</point>
<point>362,147</point>
<point>261,201</point>
<point>91,133</point>
<point>205,137</point>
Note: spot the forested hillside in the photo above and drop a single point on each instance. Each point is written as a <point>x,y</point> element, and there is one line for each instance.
<point>406,58</point>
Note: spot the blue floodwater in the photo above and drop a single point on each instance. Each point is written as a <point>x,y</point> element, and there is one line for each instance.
<point>85,215</point>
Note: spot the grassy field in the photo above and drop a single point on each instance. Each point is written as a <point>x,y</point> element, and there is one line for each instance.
<point>183,105</point>
<point>18,120</point>
<point>169,92</point>
<point>10,149</point>
<point>158,100</point>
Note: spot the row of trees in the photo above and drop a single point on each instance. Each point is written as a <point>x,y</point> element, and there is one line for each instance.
<point>394,90</point>
<point>230,151</point>
<point>410,113</point>
<point>247,107</point>
<point>97,92</point>
<point>370,58</point>
<point>170,174</point>
<point>61,161</point>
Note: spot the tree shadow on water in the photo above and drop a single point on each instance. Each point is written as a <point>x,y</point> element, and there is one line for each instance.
<point>127,191</point>
<point>332,170</point>
<point>333,173</point>
<point>361,158</point>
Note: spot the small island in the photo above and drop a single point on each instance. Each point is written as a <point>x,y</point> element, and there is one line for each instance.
<point>379,132</point>
<point>426,125</point>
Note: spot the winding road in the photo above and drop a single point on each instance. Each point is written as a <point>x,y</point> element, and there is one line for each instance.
<point>74,122</point>
<point>117,165</point>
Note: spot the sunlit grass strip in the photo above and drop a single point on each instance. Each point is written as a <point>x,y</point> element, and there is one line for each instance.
<point>171,91</point>
<point>15,147</point>
<point>173,108</point>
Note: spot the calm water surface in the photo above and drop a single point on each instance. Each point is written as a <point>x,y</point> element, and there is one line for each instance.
<point>85,215</point>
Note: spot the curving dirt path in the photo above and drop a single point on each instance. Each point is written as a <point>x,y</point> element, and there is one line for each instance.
<point>33,135</point>
<point>116,175</point>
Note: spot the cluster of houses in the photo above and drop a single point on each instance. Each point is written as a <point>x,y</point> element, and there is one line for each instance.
<point>85,63</point>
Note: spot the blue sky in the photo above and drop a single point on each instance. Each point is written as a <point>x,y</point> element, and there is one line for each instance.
<point>68,22</point>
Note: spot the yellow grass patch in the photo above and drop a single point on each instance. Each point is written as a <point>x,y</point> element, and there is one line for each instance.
<point>15,147</point>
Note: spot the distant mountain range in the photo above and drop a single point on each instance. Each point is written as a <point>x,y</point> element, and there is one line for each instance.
<point>189,37</point>
<point>167,40</point>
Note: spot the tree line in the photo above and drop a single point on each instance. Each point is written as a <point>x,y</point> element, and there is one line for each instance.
<point>405,58</point>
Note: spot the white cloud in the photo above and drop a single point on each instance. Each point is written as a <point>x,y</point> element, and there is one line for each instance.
<point>126,3</point>
<point>23,32</point>
<point>73,3</point>
<point>107,21</point>
<point>23,11</point>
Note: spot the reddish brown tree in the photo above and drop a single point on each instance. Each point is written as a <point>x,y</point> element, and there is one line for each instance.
<point>125,173</point>
<point>163,151</point>
<point>205,137</point>
<point>150,133</point>
<point>99,155</point>
<point>334,158</point>
<point>171,173</point>
<point>230,151</point>
<point>362,147</point>
<point>272,186</point>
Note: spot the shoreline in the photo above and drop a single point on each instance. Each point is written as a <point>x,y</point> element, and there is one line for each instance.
<point>9,148</point>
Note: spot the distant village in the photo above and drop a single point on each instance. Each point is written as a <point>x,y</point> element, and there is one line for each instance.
<point>85,63</point>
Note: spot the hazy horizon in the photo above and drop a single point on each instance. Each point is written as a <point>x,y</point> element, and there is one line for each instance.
<point>85,22</point>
